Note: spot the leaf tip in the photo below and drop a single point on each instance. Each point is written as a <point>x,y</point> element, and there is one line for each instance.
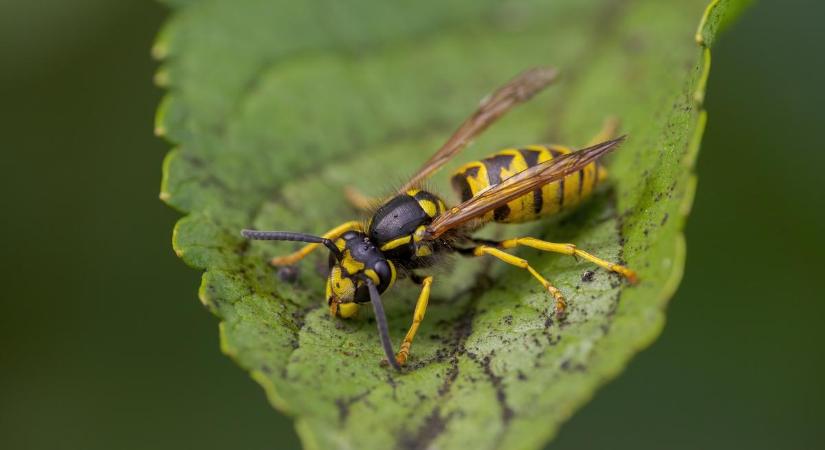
<point>160,50</point>
<point>161,77</point>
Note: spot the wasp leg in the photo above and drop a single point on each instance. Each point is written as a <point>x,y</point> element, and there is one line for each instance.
<point>570,249</point>
<point>561,303</point>
<point>610,129</point>
<point>418,316</point>
<point>360,201</point>
<point>334,233</point>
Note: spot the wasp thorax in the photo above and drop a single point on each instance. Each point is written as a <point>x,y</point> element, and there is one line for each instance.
<point>399,225</point>
<point>360,259</point>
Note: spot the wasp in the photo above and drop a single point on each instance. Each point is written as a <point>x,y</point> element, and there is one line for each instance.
<point>411,231</point>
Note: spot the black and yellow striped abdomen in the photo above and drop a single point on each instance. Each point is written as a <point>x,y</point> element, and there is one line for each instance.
<point>473,177</point>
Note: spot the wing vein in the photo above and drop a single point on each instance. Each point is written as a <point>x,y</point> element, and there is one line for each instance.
<point>518,185</point>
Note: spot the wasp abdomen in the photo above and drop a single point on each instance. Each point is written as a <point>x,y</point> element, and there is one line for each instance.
<point>475,176</point>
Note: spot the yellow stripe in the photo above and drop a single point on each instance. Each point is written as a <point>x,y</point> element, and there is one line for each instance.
<point>396,243</point>
<point>429,207</point>
<point>589,172</point>
<point>393,274</point>
<point>571,182</point>
<point>550,192</point>
<point>476,183</point>
<point>571,189</point>
<point>350,264</point>
<point>602,173</point>
<point>418,234</point>
<point>373,276</point>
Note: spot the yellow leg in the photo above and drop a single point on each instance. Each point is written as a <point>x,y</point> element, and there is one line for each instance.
<point>334,233</point>
<point>610,129</point>
<point>360,201</point>
<point>418,316</point>
<point>570,249</point>
<point>561,303</point>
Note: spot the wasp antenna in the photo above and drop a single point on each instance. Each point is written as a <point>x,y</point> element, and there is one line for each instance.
<point>291,236</point>
<point>381,321</point>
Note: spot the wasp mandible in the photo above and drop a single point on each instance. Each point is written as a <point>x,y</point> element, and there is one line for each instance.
<point>407,233</point>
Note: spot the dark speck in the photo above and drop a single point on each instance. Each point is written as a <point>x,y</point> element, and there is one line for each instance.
<point>288,274</point>
<point>587,276</point>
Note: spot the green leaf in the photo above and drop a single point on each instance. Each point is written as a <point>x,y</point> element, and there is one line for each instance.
<point>274,107</point>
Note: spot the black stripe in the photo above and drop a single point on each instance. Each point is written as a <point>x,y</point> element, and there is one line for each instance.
<point>460,184</point>
<point>538,201</point>
<point>531,158</point>
<point>561,193</point>
<point>581,182</point>
<point>424,195</point>
<point>501,213</point>
<point>471,172</point>
<point>494,164</point>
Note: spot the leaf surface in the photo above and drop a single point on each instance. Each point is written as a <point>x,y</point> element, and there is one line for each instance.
<point>274,107</point>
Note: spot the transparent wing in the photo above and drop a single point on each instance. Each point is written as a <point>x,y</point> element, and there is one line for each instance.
<point>518,90</point>
<point>518,185</point>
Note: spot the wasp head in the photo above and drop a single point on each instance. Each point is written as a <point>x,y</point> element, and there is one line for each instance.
<point>359,260</point>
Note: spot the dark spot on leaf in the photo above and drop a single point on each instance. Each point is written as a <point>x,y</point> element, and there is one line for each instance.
<point>299,316</point>
<point>288,274</point>
<point>344,405</point>
<point>548,322</point>
<point>587,276</point>
<point>501,395</point>
<point>432,427</point>
<point>570,366</point>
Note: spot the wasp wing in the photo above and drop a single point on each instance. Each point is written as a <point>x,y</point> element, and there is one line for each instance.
<point>518,185</point>
<point>518,90</point>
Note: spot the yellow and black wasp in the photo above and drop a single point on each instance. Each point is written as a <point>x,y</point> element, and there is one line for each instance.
<point>407,233</point>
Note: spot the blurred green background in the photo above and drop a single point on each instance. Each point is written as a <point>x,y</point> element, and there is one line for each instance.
<point>103,343</point>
